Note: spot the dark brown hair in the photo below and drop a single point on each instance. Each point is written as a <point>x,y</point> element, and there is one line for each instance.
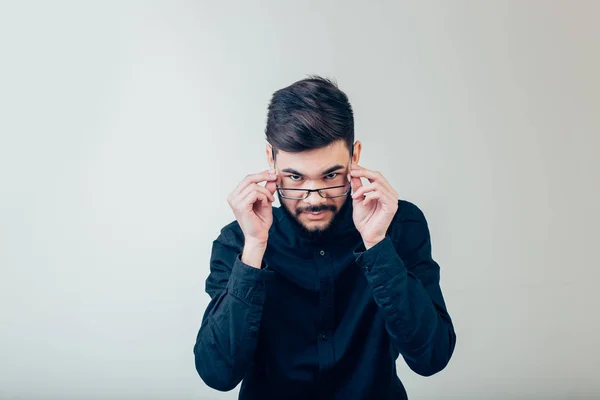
<point>309,114</point>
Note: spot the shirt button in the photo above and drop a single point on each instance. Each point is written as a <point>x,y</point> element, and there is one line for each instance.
<point>322,252</point>
<point>323,337</point>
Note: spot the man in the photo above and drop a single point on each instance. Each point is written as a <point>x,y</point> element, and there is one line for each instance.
<point>316,299</point>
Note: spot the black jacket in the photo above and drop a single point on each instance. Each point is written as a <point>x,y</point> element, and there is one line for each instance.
<point>324,318</point>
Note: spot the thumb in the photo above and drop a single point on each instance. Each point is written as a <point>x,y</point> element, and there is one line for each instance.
<point>271,187</point>
<point>355,182</point>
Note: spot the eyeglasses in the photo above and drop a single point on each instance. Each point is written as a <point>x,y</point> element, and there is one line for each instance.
<point>326,192</point>
<point>301,194</point>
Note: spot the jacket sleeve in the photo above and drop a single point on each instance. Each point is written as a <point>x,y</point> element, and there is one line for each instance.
<point>228,335</point>
<point>405,283</point>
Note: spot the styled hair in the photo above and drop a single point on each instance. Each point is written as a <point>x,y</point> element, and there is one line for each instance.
<point>309,114</point>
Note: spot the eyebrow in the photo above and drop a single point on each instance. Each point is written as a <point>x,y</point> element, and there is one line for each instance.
<point>326,172</point>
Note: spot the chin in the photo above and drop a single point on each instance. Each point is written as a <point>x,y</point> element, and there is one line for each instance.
<point>316,226</point>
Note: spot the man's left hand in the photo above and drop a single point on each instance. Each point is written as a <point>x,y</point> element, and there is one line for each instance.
<point>374,204</point>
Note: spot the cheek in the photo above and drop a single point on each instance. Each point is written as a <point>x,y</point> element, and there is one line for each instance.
<point>291,205</point>
<point>339,202</point>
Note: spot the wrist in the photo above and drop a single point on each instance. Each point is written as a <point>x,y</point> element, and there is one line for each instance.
<point>253,253</point>
<point>372,242</point>
<point>255,244</point>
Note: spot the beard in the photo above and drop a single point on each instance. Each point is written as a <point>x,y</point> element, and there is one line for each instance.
<point>317,232</point>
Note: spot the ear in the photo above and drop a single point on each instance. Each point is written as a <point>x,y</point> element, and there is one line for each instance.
<point>270,160</point>
<point>356,152</point>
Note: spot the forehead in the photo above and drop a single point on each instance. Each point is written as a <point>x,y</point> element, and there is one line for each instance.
<point>314,162</point>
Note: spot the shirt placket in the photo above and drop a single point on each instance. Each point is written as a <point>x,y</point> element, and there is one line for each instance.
<point>325,345</point>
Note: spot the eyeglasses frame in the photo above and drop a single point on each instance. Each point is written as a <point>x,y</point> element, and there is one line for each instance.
<point>309,191</point>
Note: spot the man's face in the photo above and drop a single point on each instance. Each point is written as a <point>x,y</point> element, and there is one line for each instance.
<point>314,169</point>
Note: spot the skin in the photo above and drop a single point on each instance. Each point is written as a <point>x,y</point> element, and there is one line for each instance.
<point>374,203</point>
<point>314,169</point>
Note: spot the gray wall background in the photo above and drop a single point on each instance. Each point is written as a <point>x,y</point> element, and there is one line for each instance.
<point>124,125</point>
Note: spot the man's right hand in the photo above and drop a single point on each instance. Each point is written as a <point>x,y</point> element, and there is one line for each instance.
<point>251,205</point>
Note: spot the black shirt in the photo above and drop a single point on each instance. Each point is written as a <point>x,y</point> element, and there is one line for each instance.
<point>324,318</point>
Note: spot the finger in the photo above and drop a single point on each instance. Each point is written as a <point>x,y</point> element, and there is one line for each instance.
<point>257,188</point>
<point>357,171</point>
<point>266,175</point>
<point>268,194</point>
<point>266,201</point>
<point>251,187</point>
<point>262,200</point>
<point>254,198</point>
<point>247,202</point>
<point>271,186</point>
<point>372,176</point>
<point>369,188</point>
<point>355,183</point>
<point>264,191</point>
<point>373,196</point>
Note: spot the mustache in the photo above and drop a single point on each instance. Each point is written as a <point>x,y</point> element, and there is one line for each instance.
<point>316,209</point>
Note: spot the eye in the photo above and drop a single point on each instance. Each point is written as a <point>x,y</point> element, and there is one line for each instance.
<point>295,178</point>
<point>331,176</point>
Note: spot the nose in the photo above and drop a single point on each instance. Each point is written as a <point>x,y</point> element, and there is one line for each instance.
<point>315,199</point>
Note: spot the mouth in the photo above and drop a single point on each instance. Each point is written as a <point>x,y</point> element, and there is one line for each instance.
<point>315,216</point>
